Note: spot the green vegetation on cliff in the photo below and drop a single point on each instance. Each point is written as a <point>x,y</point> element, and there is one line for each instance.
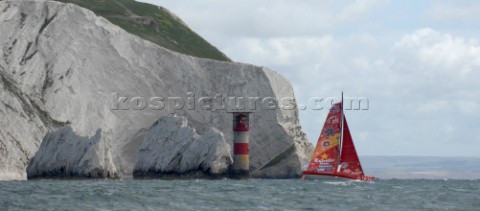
<point>152,23</point>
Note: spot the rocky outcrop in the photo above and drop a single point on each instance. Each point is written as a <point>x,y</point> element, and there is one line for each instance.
<point>61,65</point>
<point>171,149</point>
<point>63,154</point>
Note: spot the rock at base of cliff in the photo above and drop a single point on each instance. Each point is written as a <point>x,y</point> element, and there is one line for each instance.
<point>64,154</point>
<point>172,149</point>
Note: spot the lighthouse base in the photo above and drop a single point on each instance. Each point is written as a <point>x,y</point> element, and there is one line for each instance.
<point>239,174</point>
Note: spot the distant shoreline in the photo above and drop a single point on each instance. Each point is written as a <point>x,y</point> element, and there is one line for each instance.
<point>422,167</point>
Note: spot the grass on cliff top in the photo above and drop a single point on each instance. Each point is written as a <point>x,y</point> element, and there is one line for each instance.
<point>152,23</point>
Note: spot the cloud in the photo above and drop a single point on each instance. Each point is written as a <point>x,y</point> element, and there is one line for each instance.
<point>455,12</point>
<point>359,9</point>
<point>282,50</point>
<point>436,51</point>
<point>469,107</point>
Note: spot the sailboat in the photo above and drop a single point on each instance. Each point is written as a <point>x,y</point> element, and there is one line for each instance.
<point>335,155</point>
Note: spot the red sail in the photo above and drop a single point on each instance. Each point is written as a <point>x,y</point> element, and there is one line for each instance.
<point>326,154</point>
<point>349,163</point>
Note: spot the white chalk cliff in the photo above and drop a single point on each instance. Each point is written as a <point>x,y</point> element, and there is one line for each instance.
<point>61,66</point>
<point>171,148</point>
<point>63,154</point>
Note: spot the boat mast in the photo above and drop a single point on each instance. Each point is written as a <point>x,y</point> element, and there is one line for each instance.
<point>341,137</point>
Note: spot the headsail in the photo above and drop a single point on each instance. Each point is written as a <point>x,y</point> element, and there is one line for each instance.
<point>349,162</point>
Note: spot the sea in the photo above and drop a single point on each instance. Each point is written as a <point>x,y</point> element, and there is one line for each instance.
<point>252,194</point>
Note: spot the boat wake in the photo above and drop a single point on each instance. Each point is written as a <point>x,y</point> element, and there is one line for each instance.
<point>347,182</point>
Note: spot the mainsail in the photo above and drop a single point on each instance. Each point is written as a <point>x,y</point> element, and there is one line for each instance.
<point>326,156</point>
<point>335,153</point>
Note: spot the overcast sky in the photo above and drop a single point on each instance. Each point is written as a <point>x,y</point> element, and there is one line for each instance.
<point>418,63</point>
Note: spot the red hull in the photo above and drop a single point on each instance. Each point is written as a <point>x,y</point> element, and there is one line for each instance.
<point>344,176</point>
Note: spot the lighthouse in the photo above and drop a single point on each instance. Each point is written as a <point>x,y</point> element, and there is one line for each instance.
<point>240,168</point>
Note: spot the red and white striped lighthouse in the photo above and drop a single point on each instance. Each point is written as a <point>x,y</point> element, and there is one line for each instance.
<point>240,168</point>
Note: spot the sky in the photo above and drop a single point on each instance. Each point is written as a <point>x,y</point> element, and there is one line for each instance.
<point>417,63</point>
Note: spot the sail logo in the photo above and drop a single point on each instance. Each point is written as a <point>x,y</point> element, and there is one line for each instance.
<point>329,160</point>
<point>326,144</point>
<point>325,167</point>
<point>329,132</point>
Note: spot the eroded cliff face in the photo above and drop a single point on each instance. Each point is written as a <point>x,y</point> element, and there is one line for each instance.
<point>173,149</point>
<point>62,66</point>
<point>63,154</point>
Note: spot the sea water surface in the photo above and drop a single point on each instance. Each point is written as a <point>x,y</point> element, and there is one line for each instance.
<point>253,194</point>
